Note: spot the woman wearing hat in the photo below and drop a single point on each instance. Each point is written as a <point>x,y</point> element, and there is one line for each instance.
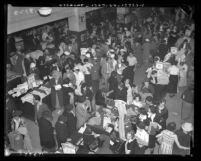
<point>71,119</point>
<point>61,130</point>
<point>46,132</point>
<point>184,135</point>
<point>146,51</point>
<point>167,138</point>
<point>69,74</point>
<point>56,90</point>
<point>162,114</point>
<point>173,71</point>
<point>17,63</point>
<point>81,112</point>
<point>34,70</point>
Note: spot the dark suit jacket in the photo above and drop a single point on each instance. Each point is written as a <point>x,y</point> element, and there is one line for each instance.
<point>52,83</point>
<point>71,124</point>
<point>46,133</point>
<point>162,117</point>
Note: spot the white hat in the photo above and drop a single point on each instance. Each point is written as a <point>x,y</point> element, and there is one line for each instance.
<point>187,127</point>
<point>88,55</point>
<point>66,53</point>
<point>112,55</point>
<point>32,65</point>
<point>159,65</point>
<point>147,40</point>
<point>173,50</point>
<point>76,68</point>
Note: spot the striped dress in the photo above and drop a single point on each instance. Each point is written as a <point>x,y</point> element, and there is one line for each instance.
<point>167,141</point>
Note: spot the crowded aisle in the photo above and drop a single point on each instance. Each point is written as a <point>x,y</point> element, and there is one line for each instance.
<point>128,90</point>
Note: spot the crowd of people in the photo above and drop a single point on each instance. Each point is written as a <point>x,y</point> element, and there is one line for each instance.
<point>88,86</point>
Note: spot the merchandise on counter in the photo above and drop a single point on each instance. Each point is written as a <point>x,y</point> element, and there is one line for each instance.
<point>47,90</point>
<point>69,148</point>
<point>27,98</point>
<point>19,90</point>
<point>40,94</point>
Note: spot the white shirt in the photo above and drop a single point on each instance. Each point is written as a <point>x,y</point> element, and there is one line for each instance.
<point>79,78</point>
<point>131,61</point>
<point>114,63</point>
<point>86,67</point>
<point>136,103</point>
<point>173,70</point>
<point>142,137</point>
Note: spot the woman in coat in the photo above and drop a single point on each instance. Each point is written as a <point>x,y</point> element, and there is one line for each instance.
<point>46,132</point>
<point>81,112</point>
<point>173,78</point>
<point>162,114</point>
<point>71,119</point>
<point>61,130</point>
<point>56,90</point>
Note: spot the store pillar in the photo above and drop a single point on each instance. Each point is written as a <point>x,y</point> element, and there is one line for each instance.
<point>77,25</point>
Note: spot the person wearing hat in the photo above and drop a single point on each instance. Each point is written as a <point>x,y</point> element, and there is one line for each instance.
<point>95,75</point>
<point>142,137</point>
<point>69,74</point>
<point>61,130</point>
<point>69,112</point>
<point>171,54</point>
<point>68,92</point>
<point>46,132</point>
<point>137,47</point>
<point>167,138</point>
<point>173,72</point>
<point>17,63</point>
<point>56,90</point>
<point>106,70</point>
<point>162,114</point>
<point>87,72</point>
<point>187,106</point>
<point>81,112</point>
<point>172,39</point>
<point>146,51</point>
<point>184,135</point>
<point>39,106</point>
<point>132,63</point>
<point>162,50</point>
<point>80,78</point>
<point>113,85</point>
<point>18,133</point>
<point>34,70</point>
<point>153,127</point>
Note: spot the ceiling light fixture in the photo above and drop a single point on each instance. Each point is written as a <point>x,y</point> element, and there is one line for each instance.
<point>45,11</point>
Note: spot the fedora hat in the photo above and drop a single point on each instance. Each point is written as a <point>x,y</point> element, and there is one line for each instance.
<point>187,127</point>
